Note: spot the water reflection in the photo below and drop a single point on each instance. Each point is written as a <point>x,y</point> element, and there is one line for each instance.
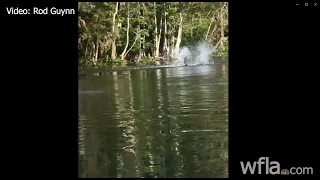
<point>154,123</point>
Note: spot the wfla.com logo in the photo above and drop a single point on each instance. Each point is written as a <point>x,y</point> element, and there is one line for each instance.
<point>272,167</point>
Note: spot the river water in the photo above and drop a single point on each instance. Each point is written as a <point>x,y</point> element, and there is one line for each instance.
<point>157,122</point>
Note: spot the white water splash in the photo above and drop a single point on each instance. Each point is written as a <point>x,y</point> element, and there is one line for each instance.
<point>183,54</point>
<point>195,55</point>
<point>204,50</point>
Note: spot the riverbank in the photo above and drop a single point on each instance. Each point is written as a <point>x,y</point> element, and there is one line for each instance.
<point>105,64</point>
<point>125,67</point>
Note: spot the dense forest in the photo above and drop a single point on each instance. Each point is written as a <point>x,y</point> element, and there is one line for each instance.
<point>112,33</point>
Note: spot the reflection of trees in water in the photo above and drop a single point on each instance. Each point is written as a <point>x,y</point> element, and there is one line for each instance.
<point>172,157</point>
<point>203,155</point>
<point>95,160</point>
<point>226,155</point>
<point>127,126</point>
<point>165,126</point>
<point>89,157</point>
<point>135,128</point>
<point>146,105</point>
<point>111,141</point>
<point>88,141</point>
<point>81,143</point>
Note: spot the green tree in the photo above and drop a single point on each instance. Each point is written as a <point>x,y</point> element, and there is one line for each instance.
<point>139,32</point>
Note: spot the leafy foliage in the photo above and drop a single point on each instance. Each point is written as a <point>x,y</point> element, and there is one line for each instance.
<point>104,26</point>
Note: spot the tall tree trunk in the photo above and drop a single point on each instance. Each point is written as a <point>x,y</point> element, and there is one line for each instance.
<point>210,26</point>
<point>101,49</point>
<point>158,40</point>
<point>172,46</point>
<point>113,50</point>
<point>139,30</point>
<point>165,30</point>
<point>222,26</point>
<point>128,28</point>
<point>158,30</point>
<point>156,50</point>
<point>114,46</point>
<point>140,44</point>
<point>142,40</point>
<point>220,43</point>
<point>176,52</point>
<point>134,42</point>
<point>214,29</point>
<point>143,46</point>
<point>97,52</point>
<point>192,19</point>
